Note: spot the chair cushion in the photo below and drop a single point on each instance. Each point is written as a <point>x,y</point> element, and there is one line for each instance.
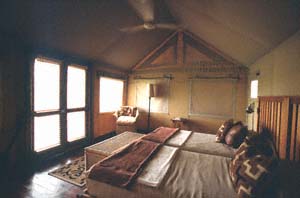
<point>126,120</point>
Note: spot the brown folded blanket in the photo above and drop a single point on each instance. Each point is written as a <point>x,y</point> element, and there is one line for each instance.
<point>161,134</point>
<point>121,168</point>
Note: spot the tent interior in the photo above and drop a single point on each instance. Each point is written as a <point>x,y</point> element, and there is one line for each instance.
<point>208,59</point>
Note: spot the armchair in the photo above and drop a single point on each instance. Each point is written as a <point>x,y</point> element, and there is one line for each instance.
<point>126,119</point>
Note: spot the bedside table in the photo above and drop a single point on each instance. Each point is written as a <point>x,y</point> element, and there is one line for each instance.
<point>178,122</point>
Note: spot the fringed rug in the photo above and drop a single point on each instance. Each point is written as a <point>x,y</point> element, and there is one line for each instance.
<point>72,172</point>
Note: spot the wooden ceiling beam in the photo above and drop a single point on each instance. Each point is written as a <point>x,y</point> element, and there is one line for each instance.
<point>180,48</point>
<point>154,51</point>
<point>209,46</point>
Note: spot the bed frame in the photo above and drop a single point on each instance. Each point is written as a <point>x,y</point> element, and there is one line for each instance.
<point>281,115</point>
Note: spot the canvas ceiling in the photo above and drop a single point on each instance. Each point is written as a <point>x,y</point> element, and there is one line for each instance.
<point>244,30</point>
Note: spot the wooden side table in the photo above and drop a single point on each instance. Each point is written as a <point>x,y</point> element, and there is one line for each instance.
<point>178,122</point>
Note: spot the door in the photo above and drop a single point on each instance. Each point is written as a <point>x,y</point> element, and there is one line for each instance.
<point>76,103</point>
<point>59,105</point>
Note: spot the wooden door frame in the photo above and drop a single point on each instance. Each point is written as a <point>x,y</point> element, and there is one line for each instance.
<point>64,146</point>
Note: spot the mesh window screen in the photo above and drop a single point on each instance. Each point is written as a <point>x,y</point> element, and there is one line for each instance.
<point>159,103</point>
<point>212,97</point>
<point>46,85</point>
<point>76,87</point>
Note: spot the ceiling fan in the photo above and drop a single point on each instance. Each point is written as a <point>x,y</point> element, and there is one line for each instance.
<point>145,10</point>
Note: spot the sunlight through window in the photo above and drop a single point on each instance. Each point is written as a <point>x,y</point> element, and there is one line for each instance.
<point>254,88</point>
<point>111,94</point>
<point>46,132</point>
<point>46,85</point>
<point>46,100</point>
<point>76,125</point>
<point>76,87</point>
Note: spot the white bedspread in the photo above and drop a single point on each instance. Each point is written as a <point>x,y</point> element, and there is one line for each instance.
<point>179,138</point>
<point>157,168</point>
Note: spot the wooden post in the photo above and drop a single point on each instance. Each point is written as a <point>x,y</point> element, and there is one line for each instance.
<point>180,48</point>
<point>148,121</point>
<point>284,129</point>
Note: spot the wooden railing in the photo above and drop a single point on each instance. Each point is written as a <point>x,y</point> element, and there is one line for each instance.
<point>295,129</point>
<point>280,114</point>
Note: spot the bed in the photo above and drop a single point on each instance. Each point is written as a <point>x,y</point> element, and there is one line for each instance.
<point>181,179</point>
<point>186,140</point>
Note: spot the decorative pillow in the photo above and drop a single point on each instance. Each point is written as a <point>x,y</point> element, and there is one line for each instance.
<point>125,111</point>
<point>222,131</point>
<point>122,111</point>
<point>252,169</point>
<point>237,161</point>
<point>134,110</point>
<point>236,135</point>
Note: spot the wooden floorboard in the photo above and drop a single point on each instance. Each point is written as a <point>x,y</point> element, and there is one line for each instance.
<point>39,184</point>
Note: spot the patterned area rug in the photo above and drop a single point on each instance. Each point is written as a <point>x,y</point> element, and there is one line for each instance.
<point>72,172</point>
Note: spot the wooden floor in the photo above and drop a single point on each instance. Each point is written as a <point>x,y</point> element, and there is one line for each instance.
<point>39,184</point>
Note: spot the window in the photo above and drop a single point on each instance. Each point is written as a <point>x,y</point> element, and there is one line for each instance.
<point>59,109</point>
<point>76,103</point>
<point>46,104</point>
<point>76,87</point>
<point>47,132</point>
<point>111,94</point>
<point>46,85</point>
<point>76,125</point>
<point>254,88</point>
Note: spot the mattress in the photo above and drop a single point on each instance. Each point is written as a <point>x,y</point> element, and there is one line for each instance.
<point>191,175</point>
<point>205,143</point>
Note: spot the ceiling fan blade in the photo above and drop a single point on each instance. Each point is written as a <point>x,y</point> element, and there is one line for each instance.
<point>144,8</point>
<point>133,29</point>
<point>170,26</point>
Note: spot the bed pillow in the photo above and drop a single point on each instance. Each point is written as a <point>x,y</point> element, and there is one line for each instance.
<point>252,169</point>
<point>222,131</point>
<point>236,135</point>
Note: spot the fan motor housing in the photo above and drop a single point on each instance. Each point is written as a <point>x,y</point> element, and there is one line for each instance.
<point>149,26</point>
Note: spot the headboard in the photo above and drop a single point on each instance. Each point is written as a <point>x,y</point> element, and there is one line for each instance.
<point>281,115</point>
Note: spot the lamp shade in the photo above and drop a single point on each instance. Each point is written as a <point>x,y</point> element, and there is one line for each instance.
<point>152,90</point>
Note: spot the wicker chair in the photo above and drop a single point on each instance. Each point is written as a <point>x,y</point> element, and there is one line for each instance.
<point>126,119</point>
